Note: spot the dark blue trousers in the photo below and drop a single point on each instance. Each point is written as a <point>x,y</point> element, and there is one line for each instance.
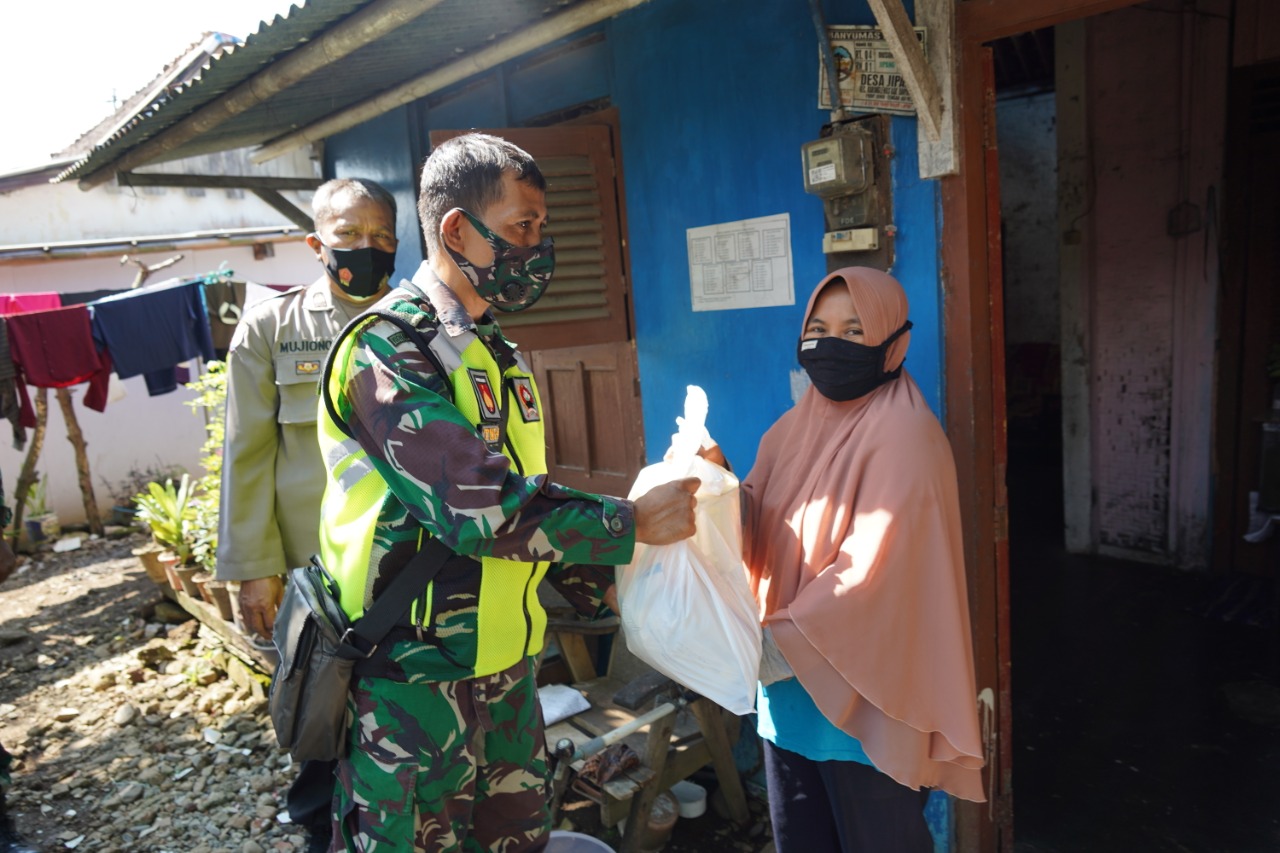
<point>841,807</point>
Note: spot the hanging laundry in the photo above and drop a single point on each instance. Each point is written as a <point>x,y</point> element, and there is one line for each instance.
<point>226,304</point>
<point>82,297</point>
<point>22,303</point>
<point>55,349</point>
<point>10,403</point>
<point>152,329</point>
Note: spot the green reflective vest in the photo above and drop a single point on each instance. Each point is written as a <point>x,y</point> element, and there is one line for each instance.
<point>504,408</point>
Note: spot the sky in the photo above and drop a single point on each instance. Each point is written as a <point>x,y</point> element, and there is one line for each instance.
<point>64,60</point>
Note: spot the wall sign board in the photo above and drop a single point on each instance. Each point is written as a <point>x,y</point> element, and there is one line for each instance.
<point>744,264</point>
<point>868,74</point>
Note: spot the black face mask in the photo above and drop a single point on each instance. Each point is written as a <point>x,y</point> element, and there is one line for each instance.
<point>361,273</point>
<point>844,370</point>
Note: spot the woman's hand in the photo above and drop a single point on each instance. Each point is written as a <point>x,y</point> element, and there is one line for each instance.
<point>716,455</point>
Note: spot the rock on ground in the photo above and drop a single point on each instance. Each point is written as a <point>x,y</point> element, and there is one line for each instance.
<point>132,734</point>
<point>109,728</point>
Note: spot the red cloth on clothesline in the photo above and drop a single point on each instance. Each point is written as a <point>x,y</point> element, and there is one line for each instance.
<point>55,349</point>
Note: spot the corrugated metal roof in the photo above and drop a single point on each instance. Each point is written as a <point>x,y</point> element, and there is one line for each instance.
<point>181,71</point>
<point>435,38</point>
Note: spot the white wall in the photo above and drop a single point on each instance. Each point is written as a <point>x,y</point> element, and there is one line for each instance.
<point>138,431</point>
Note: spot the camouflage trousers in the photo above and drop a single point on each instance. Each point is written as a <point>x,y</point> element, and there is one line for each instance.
<point>444,766</point>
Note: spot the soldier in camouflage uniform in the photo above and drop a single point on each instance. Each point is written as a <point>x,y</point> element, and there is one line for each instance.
<point>435,429</point>
<point>10,841</point>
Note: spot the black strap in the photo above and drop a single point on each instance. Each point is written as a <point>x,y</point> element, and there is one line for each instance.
<point>414,333</point>
<point>399,595</point>
<point>393,601</point>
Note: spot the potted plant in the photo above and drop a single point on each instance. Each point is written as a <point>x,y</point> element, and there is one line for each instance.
<point>168,511</point>
<point>41,522</point>
<point>124,512</point>
<point>122,493</point>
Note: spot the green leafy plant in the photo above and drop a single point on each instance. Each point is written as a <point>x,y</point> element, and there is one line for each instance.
<point>37,498</point>
<point>211,399</point>
<point>169,512</point>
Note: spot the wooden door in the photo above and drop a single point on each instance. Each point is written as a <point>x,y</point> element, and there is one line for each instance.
<point>578,335</point>
<point>974,401</point>
<point>596,429</point>
<point>1000,750</point>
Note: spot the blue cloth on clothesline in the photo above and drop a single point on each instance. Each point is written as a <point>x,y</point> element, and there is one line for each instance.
<point>152,329</point>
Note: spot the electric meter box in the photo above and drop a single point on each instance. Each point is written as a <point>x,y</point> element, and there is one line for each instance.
<point>838,165</point>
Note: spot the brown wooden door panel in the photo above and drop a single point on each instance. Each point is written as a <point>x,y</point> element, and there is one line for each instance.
<point>586,302</point>
<point>1000,751</point>
<point>595,440</point>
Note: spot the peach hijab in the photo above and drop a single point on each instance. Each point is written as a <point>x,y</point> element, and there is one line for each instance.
<point>855,558</point>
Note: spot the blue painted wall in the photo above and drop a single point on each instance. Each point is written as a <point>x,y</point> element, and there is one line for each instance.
<point>715,103</point>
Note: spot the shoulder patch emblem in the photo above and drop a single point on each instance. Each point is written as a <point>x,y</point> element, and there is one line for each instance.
<point>397,338</point>
<point>488,403</point>
<point>306,368</point>
<point>528,402</point>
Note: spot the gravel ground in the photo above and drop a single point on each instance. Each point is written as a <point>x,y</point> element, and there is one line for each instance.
<point>134,729</point>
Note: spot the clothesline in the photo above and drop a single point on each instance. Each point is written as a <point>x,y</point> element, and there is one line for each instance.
<point>147,331</point>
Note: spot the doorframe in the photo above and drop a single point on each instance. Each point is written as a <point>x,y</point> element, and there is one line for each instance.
<point>974,427</point>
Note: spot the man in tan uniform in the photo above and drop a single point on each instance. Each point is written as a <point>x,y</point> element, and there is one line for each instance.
<point>272,474</point>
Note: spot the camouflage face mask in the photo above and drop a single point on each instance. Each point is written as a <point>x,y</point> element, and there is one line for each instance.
<point>518,275</point>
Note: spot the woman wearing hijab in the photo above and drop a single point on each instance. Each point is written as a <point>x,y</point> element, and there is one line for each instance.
<point>867,695</point>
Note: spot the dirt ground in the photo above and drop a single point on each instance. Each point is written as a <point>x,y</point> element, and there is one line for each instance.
<point>133,729</point>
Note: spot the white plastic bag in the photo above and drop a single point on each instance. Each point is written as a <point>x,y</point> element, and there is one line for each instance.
<point>687,610</point>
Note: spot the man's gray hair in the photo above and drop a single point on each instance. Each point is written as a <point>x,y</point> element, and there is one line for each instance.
<point>322,203</point>
<point>466,172</point>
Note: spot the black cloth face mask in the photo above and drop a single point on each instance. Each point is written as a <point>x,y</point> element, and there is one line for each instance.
<point>361,273</point>
<point>844,370</point>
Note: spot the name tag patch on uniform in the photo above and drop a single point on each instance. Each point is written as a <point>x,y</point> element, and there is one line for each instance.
<point>484,394</point>
<point>528,402</point>
<point>306,368</point>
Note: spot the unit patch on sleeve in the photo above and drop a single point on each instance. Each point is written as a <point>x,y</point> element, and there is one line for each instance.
<point>528,402</point>
<point>306,368</point>
<point>484,394</point>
